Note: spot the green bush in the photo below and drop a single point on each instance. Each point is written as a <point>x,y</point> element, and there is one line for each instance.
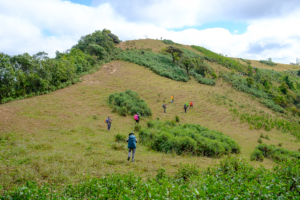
<point>257,155</point>
<point>167,41</point>
<point>120,138</point>
<point>193,139</point>
<point>278,153</point>
<point>267,62</point>
<point>160,64</point>
<point>177,118</point>
<point>185,172</point>
<point>137,127</point>
<point>259,140</point>
<point>129,102</point>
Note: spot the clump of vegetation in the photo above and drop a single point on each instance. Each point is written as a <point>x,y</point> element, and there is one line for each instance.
<point>137,127</point>
<point>277,153</point>
<point>268,62</point>
<point>222,60</point>
<point>160,64</point>
<point>188,183</point>
<point>268,123</point>
<point>259,140</point>
<point>170,42</point>
<point>257,155</point>
<point>193,139</point>
<point>120,138</point>
<point>246,61</point>
<point>129,102</point>
<point>177,118</point>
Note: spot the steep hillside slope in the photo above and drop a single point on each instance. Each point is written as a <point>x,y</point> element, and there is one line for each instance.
<point>61,137</point>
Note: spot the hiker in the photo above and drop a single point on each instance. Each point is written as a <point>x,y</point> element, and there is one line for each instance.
<point>137,118</point>
<point>165,107</point>
<point>131,146</point>
<point>185,107</point>
<point>191,105</point>
<point>108,121</point>
<point>172,99</point>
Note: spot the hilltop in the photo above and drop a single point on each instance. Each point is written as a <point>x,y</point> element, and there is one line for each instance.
<point>60,137</point>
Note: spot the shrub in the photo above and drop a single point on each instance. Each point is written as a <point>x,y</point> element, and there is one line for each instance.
<point>167,41</point>
<point>270,104</point>
<point>177,118</point>
<point>278,154</point>
<point>257,155</point>
<point>129,102</point>
<point>268,62</point>
<point>120,138</point>
<point>259,140</point>
<point>280,144</point>
<point>170,137</point>
<point>186,171</point>
<point>160,64</point>
<point>137,127</point>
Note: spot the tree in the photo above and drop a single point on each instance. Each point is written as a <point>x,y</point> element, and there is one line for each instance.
<point>250,82</point>
<point>175,52</point>
<point>249,70</point>
<point>188,63</point>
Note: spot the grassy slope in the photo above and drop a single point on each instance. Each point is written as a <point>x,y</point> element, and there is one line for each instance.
<point>61,137</point>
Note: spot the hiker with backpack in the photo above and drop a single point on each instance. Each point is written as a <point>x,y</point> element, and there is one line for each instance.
<point>137,118</point>
<point>108,121</point>
<point>185,107</point>
<point>165,107</point>
<point>191,105</point>
<point>172,99</point>
<point>131,146</point>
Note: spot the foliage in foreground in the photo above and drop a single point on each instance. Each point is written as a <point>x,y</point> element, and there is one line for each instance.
<point>129,102</point>
<point>274,153</point>
<point>194,139</point>
<point>232,179</point>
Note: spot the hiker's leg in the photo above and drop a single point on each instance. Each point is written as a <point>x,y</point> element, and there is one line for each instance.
<point>133,153</point>
<point>129,152</point>
<point>108,126</point>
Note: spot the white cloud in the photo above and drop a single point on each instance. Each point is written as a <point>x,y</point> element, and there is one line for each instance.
<point>272,31</point>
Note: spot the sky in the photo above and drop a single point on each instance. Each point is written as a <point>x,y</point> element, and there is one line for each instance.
<point>256,29</point>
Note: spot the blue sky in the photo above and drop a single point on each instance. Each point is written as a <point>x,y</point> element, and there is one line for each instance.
<point>238,28</point>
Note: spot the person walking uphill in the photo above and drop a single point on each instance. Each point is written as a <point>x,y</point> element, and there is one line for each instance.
<point>185,107</point>
<point>165,107</point>
<point>172,99</point>
<point>137,118</point>
<point>191,105</point>
<point>131,146</point>
<point>108,121</point>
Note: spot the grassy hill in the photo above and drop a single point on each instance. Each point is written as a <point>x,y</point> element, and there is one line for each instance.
<point>61,137</point>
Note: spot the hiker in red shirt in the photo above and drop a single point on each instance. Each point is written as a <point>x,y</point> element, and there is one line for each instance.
<point>191,104</point>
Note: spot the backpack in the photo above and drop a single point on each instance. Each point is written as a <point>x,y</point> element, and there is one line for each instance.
<point>184,106</point>
<point>106,121</point>
<point>136,117</point>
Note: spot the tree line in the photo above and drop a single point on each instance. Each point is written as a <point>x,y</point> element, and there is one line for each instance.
<point>29,75</point>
